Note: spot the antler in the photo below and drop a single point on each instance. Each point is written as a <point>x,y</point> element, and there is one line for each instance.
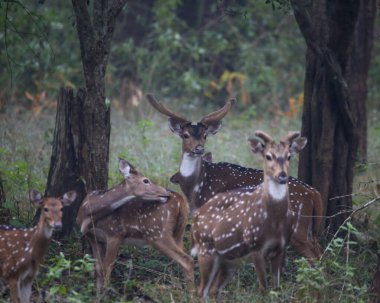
<point>264,136</point>
<point>219,114</point>
<point>290,137</point>
<point>164,110</point>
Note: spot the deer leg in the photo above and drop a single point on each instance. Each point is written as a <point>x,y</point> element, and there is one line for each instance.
<point>170,249</point>
<point>305,248</point>
<point>112,251</point>
<point>14,287</point>
<point>276,264</point>
<point>259,262</point>
<point>224,276</point>
<point>208,268</point>
<point>26,289</point>
<point>98,251</point>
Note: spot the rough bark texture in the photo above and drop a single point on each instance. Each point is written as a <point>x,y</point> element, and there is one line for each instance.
<point>65,172</point>
<point>358,70</point>
<point>330,118</point>
<point>81,141</point>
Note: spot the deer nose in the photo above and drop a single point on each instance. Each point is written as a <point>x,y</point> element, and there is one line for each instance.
<point>282,178</point>
<point>199,150</point>
<point>57,225</point>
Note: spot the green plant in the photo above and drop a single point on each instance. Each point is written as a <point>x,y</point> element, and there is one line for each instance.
<point>62,278</point>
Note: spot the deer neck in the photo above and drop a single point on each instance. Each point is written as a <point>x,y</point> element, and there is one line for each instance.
<point>192,173</point>
<point>276,196</point>
<point>40,240</point>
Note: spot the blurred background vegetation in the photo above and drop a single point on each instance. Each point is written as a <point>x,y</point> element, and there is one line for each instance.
<point>193,55</point>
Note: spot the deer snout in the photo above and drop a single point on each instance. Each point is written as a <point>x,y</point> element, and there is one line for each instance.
<point>198,150</point>
<point>282,177</point>
<point>164,198</point>
<point>57,225</point>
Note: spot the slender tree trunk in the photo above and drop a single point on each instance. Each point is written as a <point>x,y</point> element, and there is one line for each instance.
<point>81,138</point>
<point>330,118</point>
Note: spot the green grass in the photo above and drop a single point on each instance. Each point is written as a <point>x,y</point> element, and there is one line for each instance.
<point>342,276</point>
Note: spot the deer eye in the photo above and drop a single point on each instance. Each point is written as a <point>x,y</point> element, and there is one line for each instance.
<point>45,209</point>
<point>185,136</point>
<point>268,157</point>
<point>146,181</point>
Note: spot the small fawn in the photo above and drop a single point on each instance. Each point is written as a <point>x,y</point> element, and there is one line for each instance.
<point>22,249</point>
<point>144,220</point>
<point>248,224</point>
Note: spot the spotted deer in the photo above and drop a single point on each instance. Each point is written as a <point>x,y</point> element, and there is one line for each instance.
<point>200,179</point>
<point>135,212</point>
<point>246,224</point>
<point>22,249</point>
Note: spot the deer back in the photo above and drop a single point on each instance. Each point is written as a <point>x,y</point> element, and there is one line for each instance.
<point>145,221</point>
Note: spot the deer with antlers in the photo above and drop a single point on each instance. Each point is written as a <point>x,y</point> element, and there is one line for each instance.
<point>136,212</point>
<point>201,179</point>
<point>22,249</point>
<point>248,224</point>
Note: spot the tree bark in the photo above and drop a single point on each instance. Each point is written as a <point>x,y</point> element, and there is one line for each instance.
<point>330,118</point>
<point>358,70</point>
<point>81,141</point>
<point>65,172</point>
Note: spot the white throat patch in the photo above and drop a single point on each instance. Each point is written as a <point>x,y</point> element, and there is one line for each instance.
<point>277,191</point>
<point>188,164</point>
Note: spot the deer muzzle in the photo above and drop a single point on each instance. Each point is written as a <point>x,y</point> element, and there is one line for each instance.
<point>198,150</point>
<point>282,178</point>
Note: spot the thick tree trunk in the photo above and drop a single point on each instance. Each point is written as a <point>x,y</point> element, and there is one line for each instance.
<point>358,70</point>
<point>65,165</point>
<point>329,116</point>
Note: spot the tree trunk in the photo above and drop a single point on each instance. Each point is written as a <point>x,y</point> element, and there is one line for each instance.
<point>358,70</point>
<point>81,142</point>
<point>65,165</point>
<point>330,117</point>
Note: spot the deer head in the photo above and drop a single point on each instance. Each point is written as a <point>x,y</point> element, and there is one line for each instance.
<point>276,156</point>
<point>193,135</point>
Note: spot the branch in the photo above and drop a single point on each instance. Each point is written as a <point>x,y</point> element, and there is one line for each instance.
<point>369,203</point>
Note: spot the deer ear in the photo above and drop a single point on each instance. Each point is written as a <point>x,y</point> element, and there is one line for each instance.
<point>69,198</point>
<point>207,157</point>
<point>175,126</point>
<point>175,178</point>
<point>256,145</point>
<point>125,168</point>
<point>35,197</point>
<point>213,127</point>
<point>297,145</point>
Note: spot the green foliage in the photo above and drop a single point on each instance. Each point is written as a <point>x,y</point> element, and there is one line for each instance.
<point>63,279</point>
<point>18,178</point>
<point>335,276</point>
